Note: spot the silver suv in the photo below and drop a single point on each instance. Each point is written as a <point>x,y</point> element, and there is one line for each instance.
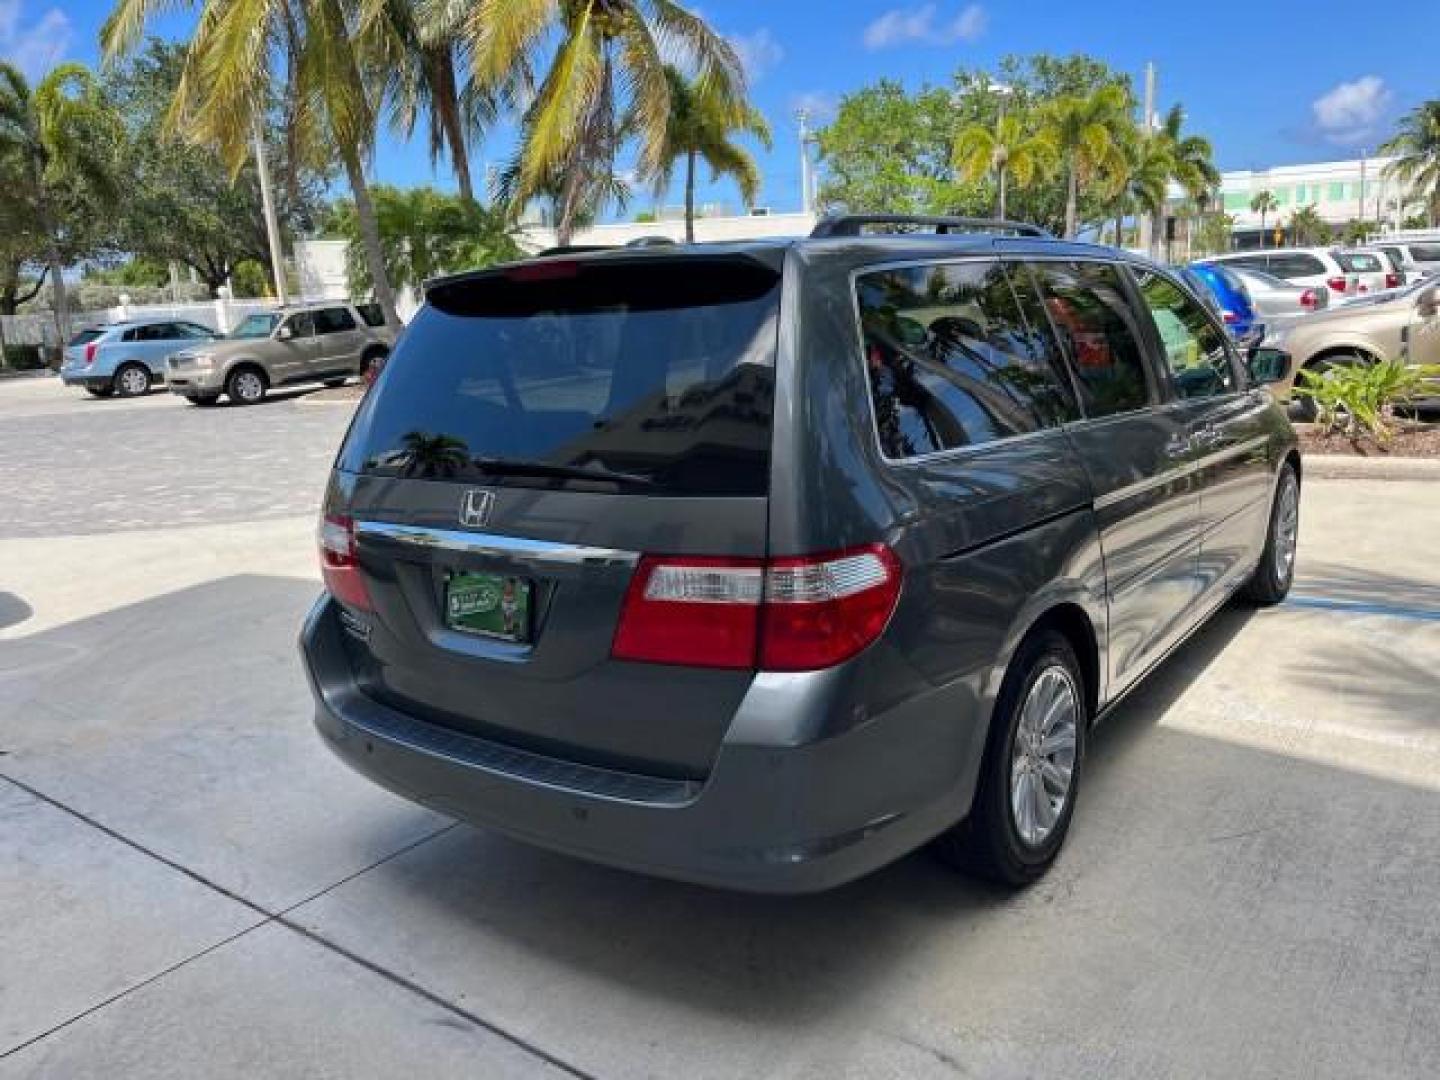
<point>319,342</point>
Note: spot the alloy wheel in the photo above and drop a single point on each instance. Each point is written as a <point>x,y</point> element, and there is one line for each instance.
<point>1042,762</point>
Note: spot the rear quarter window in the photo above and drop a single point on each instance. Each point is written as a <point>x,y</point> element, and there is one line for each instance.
<point>658,368</point>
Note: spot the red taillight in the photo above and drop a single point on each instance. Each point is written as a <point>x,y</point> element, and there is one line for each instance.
<point>789,614</point>
<point>1336,283</point>
<point>338,564</point>
<point>1309,299</point>
<point>91,348</point>
<point>1392,281</point>
<point>1230,317</point>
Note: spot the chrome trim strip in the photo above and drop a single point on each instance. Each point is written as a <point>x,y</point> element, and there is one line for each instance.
<point>1119,495</point>
<point>477,543</point>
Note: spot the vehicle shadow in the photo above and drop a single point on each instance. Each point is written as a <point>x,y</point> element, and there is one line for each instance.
<point>1367,585</point>
<point>13,610</point>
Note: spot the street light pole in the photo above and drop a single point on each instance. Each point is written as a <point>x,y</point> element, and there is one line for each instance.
<point>272,223</point>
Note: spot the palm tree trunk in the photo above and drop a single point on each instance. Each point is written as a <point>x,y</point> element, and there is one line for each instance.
<point>440,73</point>
<point>1001,171</point>
<point>690,197</point>
<point>1072,202</point>
<point>1262,228</point>
<point>568,208</point>
<point>370,234</point>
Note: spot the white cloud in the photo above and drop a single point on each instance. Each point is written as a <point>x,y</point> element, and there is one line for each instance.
<point>820,105</point>
<point>759,52</point>
<point>1350,112</point>
<point>923,25</point>
<point>33,48</point>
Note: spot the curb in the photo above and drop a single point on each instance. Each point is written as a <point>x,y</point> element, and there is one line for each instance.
<point>1350,467</point>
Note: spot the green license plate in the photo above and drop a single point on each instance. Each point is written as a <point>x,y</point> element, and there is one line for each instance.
<point>490,604</point>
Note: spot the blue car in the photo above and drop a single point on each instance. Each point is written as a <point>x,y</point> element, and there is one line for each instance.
<point>1231,301</point>
<point>127,358</point>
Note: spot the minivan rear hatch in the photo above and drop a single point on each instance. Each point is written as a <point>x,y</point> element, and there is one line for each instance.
<point>538,429</point>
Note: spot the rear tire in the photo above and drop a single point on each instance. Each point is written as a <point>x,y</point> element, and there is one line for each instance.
<point>337,382</point>
<point>246,386</point>
<point>132,380</point>
<point>1030,776</point>
<point>1271,581</point>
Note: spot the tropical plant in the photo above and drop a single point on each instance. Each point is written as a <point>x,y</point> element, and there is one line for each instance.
<point>604,79</point>
<point>1010,149</point>
<point>701,128</point>
<point>241,52</point>
<point>1087,133</point>
<point>424,233</point>
<point>1264,203</point>
<point>57,143</point>
<point>1140,176</point>
<point>1416,145</point>
<point>1356,231</point>
<point>1192,164</point>
<point>1214,233</point>
<point>1361,399</point>
<point>1307,228</point>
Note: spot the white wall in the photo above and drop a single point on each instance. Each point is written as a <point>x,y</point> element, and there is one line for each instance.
<point>536,238</point>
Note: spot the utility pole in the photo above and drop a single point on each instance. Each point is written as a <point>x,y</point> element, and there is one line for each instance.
<point>272,224</point>
<point>1363,155</point>
<point>1147,127</point>
<point>806,204</point>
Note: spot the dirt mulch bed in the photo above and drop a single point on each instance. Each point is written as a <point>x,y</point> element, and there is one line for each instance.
<point>349,392</point>
<point>1410,440</point>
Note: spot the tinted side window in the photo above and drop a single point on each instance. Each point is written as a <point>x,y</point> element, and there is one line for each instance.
<point>1097,328</point>
<point>333,320</point>
<point>1194,347</point>
<point>371,313</point>
<point>1295,266</point>
<point>954,361</point>
<point>301,324</point>
<point>1425,253</point>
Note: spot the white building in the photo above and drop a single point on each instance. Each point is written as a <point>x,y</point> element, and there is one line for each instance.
<point>1340,191</point>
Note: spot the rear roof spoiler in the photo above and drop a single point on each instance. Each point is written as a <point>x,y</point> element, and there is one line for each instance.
<point>855,224</point>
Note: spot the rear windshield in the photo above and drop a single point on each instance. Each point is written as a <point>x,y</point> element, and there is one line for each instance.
<point>1358,262</point>
<point>1425,253</point>
<point>657,370</point>
<point>84,337</point>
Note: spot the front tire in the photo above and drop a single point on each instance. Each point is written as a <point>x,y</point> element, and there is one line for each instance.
<point>1271,581</point>
<point>246,386</point>
<point>132,380</point>
<point>1030,776</point>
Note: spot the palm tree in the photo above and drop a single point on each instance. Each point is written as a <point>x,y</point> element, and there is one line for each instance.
<point>700,128</point>
<point>1086,132</point>
<point>1193,167</point>
<point>57,136</point>
<point>230,74</point>
<point>606,76</point>
<point>1307,227</point>
<point>1417,144</point>
<point>1264,203</point>
<point>1139,179</point>
<point>1008,150</point>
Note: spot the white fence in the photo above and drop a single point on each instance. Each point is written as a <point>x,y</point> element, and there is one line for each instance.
<point>38,328</point>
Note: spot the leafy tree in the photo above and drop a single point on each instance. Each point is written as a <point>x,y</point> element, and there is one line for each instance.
<point>701,127</point>
<point>424,233</point>
<point>1356,231</point>
<point>1307,227</point>
<point>1417,146</point>
<point>241,53</point>
<point>1213,235</point>
<point>1009,149</point>
<point>1192,164</point>
<point>1139,177</point>
<point>604,80</point>
<point>1087,133</point>
<point>57,142</point>
<point>1264,203</point>
<point>183,204</point>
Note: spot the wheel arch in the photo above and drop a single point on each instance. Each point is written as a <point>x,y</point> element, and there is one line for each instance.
<point>1073,623</point>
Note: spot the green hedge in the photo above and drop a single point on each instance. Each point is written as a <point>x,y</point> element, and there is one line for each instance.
<point>23,357</point>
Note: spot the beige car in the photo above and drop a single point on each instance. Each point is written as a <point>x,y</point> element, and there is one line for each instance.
<point>1400,324</point>
<point>317,342</point>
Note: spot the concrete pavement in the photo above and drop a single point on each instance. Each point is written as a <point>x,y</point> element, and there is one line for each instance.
<point>190,885</point>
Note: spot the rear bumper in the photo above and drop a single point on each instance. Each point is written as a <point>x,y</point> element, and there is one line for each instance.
<point>89,382</point>
<point>778,817</point>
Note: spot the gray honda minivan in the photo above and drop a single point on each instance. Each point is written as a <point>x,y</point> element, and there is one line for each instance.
<point>762,564</point>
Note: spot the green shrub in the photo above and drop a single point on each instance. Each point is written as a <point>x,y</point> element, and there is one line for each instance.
<point>23,357</point>
<point>1360,399</point>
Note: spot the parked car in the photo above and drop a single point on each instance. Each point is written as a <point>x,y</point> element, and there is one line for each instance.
<point>1397,258</point>
<point>1274,298</point>
<point>1300,266</point>
<point>761,564</point>
<point>1403,323</point>
<point>126,358</point>
<point>316,342</point>
<point>1417,257</point>
<point>1231,300</point>
<point>1373,268</point>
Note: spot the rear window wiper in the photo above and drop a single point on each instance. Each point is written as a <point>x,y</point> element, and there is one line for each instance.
<point>517,467</point>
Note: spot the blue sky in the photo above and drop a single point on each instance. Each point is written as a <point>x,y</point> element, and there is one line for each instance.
<point>1269,83</point>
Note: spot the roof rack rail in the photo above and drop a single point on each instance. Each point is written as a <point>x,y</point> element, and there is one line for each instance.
<point>854,225</point>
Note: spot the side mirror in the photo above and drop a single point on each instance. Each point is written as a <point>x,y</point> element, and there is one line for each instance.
<point>285,333</point>
<point>1268,366</point>
<point>1428,301</point>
